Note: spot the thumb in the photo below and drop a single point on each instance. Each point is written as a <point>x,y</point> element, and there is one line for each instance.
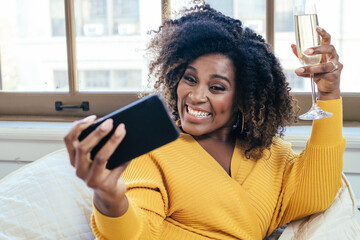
<point>293,48</point>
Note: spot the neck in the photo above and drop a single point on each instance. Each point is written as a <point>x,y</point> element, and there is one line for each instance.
<point>227,136</point>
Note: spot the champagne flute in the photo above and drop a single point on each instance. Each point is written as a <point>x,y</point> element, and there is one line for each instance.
<point>306,21</point>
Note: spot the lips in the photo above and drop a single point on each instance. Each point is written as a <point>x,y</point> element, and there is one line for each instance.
<point>197,113</point>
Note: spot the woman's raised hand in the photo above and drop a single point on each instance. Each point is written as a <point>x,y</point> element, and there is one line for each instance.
<point>327,73</point>
<point>109,188</point>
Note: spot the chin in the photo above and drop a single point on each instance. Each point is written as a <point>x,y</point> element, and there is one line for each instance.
<point>193,130</point>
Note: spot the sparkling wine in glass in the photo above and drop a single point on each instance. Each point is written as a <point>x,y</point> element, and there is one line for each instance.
<point>306,21</point>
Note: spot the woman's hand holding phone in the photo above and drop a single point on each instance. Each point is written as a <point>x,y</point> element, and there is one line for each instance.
<point>109,188</point>
<point>99,158</point>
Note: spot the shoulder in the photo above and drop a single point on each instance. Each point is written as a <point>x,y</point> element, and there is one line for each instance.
<point>280,143</point>
<point>173,150</point>
<point>182,143</point>
<point>281,148</point>
<point>162,160</point>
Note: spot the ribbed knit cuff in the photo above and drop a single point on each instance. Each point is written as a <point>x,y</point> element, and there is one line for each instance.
<point>328,131</point>
<point>124,227</point>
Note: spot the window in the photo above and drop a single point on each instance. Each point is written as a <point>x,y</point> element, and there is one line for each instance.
<point>72,51</point>
<point>92,50</point>
<point>126,17</point>
<point>61,81</point>
<point>28,54</point>
<point>128,79</point>
<point>284,17</point>
<point>94,80</point>
<point>253,14</point>
<point>110,80</point>
<point>57,14</point>
<point>108,35</point>
<point>225,6</point>
<point>107,18</point>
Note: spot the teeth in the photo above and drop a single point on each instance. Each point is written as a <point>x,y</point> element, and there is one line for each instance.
<point>197,113</point>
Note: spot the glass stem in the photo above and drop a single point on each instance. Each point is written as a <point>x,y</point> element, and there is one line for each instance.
<point>313,91</point>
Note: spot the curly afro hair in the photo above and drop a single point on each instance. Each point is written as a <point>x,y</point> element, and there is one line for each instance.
<point>262,93</point>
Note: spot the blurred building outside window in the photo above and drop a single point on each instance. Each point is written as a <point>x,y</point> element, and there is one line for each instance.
<point>111,36</point>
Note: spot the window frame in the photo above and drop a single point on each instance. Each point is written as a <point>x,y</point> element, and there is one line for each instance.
<point>41,106</point>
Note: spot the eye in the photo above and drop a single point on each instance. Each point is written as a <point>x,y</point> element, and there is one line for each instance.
<point>190,79</point>
<point>217,88</point>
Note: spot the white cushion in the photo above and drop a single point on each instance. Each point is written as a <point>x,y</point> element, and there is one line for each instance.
<point>339,221</point>
<point>45,200</point>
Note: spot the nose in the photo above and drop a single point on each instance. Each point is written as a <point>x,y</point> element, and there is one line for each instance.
<point>198,94</point>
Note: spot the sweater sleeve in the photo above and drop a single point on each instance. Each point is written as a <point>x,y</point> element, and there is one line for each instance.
<point>311,180</point>
<point>147,205</point>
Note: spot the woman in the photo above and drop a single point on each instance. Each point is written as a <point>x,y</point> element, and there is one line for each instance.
<point>228,176</point>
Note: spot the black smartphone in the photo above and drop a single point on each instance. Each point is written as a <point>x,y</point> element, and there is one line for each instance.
<point>148,126</point>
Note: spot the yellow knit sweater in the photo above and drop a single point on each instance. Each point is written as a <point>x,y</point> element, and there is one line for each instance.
<point>179,191</point>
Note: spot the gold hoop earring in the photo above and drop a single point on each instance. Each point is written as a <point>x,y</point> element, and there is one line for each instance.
<point>242,123</point>
<point>237,123</point>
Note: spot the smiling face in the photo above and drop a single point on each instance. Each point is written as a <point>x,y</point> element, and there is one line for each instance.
<point>206,96</point>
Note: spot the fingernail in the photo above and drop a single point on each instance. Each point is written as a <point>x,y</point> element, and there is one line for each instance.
<point>119,130</point>
<point>106,125</point>
<point>309,51</point>
<point>90,118</point>
<point>300,70</point>
<point>87,119</point>
<point>320,29</point>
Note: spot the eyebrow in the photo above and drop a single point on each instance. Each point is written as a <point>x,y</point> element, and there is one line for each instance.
<point>212,75</point>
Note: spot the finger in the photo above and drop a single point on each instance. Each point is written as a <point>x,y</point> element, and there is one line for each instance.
<point>325,40</point>
<point>301,72</point>
<point>294,50</point>
<point>322,68</point>
<point>78,127</point>
<point>114,176</point>
<point>108,149</point>
<point>71,138</point>
<point>97,173</point>
<point>325,36</point>
<point>107,181</point>
<point>89,142</point>
<point>318,77</point>
<point>82,160</point>
<point>329,50</point>
<point>116,172</point>
<point>98,167</point>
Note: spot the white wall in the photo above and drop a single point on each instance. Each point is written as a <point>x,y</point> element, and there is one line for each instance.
<point>24,142</point>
